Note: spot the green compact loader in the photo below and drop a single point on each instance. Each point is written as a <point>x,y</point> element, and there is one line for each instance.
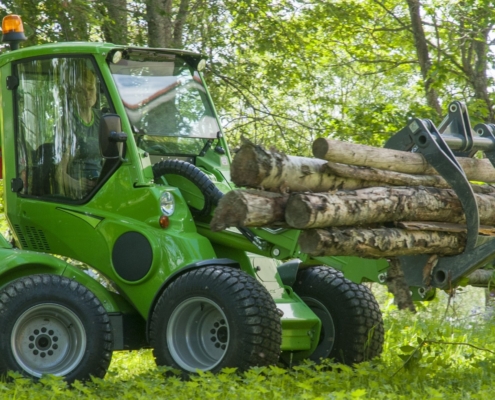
<point>113,156</point>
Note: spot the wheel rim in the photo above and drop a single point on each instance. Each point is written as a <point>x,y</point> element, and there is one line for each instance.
<point>48,339</point>
<point>327,334</point>
<point>198,334</point>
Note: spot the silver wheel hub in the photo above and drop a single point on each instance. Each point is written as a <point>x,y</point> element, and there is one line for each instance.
<point>48,339</point>
<point>198,334</point>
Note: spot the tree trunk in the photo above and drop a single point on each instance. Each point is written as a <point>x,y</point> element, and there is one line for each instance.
<point>422,52</point>
<point>255,167</point>
<point>159,14</point>
<point>381,204</point>
<point>163,29</point>
<point>180,20</point>
<point>115,25</point>
<point>73,19</point>
<point>379,243</point>
<point>241,208</point>
<point>395,160</point>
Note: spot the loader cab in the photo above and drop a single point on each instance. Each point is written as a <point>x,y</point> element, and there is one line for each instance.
<point>59,104</point>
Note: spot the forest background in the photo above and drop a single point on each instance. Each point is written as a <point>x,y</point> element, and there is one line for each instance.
<point>283,72</point>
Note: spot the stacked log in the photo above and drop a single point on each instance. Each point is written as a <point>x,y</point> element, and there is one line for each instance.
<point>355,200</point>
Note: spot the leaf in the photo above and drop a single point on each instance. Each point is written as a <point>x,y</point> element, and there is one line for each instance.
<point>359,393</point>
<point>407,349</point>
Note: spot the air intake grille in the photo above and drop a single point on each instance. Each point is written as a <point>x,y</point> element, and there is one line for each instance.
<point>20,236</point>
<point>36,239</point>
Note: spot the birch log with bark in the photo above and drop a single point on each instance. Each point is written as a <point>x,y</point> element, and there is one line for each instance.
<point>255,167</point>
<point>381,204</point>
<point>379,243</point>
<point>392,178</point>
<point>244,208</point>
<point>480,170</point>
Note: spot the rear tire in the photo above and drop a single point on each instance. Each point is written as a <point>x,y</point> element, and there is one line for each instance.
<point>53,325</point>
<point>352,325</point>
<point>215,317</point>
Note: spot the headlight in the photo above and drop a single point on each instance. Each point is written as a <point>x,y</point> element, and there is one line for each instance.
<point>167,203</point>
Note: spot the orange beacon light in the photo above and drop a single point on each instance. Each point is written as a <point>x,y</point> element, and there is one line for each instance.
<point>12,31</point>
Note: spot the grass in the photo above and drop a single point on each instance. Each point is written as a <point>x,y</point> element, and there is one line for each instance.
<point>436,353</point>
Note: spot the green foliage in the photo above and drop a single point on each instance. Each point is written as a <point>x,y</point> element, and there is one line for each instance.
<point>285,72</point>
<point>436,354</point>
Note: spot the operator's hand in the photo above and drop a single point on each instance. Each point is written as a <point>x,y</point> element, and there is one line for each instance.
<point>87,184</point>
<point>70,186</point>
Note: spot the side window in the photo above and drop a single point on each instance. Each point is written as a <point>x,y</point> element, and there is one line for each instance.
<point>59,105</point>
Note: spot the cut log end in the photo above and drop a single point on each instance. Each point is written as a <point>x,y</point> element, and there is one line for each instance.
<point>231,211</point>
<point>246,168</point>
<point>320,148</point>
<point>249,208</point>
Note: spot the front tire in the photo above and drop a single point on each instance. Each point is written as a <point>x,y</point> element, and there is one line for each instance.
<point>53,325</point>
<point>352,325</point>
<point>215,317</point>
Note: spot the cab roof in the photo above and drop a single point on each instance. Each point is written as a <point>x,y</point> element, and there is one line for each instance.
<point>102,49</point>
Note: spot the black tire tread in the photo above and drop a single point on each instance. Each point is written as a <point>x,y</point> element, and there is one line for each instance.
<point>261,325</point>
<point>356,313</point>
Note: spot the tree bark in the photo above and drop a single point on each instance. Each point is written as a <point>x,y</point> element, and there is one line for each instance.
<point>442,227</point>
<point>243,208</point>
<point>180,20</point>
<point>379,243</point>
<point>74,21</point>
<point>422,52</point>
<point>480,170</point>
<point>255,167</point>
<point>115,25</point>
<point>159,16</point>
<point>380,205</point>
<point>163,29</point>
<point>392,178</point>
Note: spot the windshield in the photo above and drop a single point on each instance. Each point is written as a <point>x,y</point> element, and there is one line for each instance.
<point>166,104</point>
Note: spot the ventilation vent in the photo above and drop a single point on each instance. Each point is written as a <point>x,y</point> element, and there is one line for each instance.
<point>20,236</point>
<point>36,239</point>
